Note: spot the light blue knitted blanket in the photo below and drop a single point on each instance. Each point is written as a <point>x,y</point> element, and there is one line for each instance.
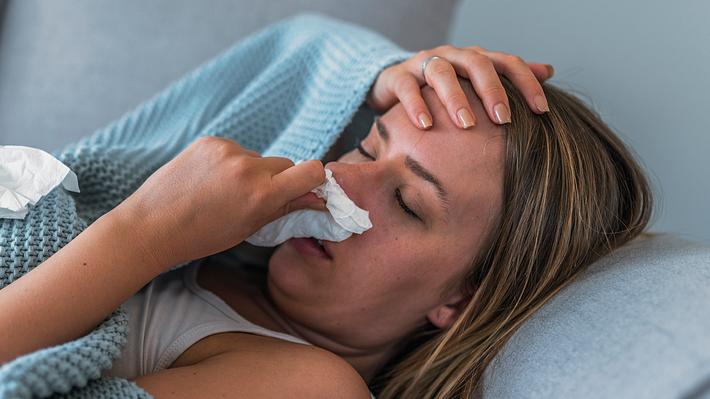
<point>288,90</point>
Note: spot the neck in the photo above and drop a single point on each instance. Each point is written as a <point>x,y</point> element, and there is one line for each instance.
<point>366,361</point>
<point>222,278</point>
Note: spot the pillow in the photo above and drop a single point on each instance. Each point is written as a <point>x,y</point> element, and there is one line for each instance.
<point>635,325</point>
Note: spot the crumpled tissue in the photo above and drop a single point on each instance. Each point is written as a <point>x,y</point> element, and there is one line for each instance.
<point>26,175</point>
<point>342,219</point>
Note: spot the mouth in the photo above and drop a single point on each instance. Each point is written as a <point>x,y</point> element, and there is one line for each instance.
<point>312,246</point>
<point>322,244</point>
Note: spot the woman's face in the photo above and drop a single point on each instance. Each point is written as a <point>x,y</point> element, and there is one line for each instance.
<point>382,284</point>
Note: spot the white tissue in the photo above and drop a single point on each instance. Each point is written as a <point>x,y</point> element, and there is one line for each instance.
<point>342,219</point>
<point>26,175</point>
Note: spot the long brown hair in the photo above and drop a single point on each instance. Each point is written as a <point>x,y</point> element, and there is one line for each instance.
<point>572,193</point>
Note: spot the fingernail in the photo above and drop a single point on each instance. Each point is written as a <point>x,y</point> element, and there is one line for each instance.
<point>465,118</point>
<point>424,120</point>
<point>541,104</point>
<point>502,113</point>
<point>550,69</point>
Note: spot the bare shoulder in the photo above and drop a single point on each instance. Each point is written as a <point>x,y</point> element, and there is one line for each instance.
<point>268,369</point>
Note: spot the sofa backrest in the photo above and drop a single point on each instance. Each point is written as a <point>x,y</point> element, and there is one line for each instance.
<point>68,67</point>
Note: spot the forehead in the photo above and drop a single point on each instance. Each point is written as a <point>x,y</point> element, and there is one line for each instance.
<point>469,163</point>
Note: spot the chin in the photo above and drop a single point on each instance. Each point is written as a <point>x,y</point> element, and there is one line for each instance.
<point>287,274</point>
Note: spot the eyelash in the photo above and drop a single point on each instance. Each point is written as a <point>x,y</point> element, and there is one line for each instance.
<point>397,192</point>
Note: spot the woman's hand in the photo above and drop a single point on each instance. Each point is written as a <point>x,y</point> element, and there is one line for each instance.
<point>402,82</point>
<point>215,194</point>
<point>210,197</point>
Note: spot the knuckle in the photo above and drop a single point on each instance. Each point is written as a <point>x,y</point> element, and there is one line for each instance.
<point>493,91</point>
<point>523,74</point>
<point>285,160</point>
<point>440,67</point>
<point>211,148</point>
<point>204,141</point>
<point>423,54</point>
<point>456,99</point>
<point>240,166</point>
<point>475,59</point>
<point>393,71</point>
<point>525,78</point>
<point>387,73</point>
<point>514,59</point>
<point>221,148</point>
<point>400,83</point>
<point>317,172</point>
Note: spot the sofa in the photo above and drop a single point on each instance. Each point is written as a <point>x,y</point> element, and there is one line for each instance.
<point>636,324</point>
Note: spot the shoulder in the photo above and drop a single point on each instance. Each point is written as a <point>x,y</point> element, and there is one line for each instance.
<point>291,370</point>
<point>320,373</point>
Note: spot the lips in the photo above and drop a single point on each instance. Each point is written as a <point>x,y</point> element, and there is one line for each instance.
<point>322,245</point>
<point>311,247</point>
<point>325,245</point>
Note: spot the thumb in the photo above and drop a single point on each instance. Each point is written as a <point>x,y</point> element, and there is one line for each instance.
<point>307,201</point>
<point>298,180</point>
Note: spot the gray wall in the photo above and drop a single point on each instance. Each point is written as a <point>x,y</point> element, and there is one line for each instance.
<point>68,67</point>
<point>645,65</point>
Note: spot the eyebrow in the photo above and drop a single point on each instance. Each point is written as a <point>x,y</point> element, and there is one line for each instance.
<point>418,169</point>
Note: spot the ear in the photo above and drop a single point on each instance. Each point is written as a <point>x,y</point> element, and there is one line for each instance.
<point>444,315</point>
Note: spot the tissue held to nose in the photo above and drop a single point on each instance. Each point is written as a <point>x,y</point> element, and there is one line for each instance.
<point>26,175</point>
<point>342,219</point>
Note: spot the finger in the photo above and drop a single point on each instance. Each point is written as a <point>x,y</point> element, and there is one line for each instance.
<point>542,71</point>
<point>479,69</point>
<point>407,89</point>
<point>515,69</point>
<point>253,154</point>
<point>276,164</point>
<point>298,180</point>
<point>307,201</point>
<point>440,75</point>
<point>382,97</point>
<point>478,49</point>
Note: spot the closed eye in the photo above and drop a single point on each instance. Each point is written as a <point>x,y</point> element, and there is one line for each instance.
<point>363,152</point>
<point>397,192</point>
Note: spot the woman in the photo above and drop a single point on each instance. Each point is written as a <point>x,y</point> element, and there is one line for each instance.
<point>472,232</point>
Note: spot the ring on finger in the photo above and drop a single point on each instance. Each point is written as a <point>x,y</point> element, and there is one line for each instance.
<point>426,62</point>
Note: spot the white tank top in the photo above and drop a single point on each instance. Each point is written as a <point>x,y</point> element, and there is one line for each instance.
<point>171,313</point>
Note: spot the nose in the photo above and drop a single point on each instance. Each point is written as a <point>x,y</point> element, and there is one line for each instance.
<point>360,181</point>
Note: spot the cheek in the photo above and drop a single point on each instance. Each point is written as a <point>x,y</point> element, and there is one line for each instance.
<point>388,258</point>
<point>385,242</point>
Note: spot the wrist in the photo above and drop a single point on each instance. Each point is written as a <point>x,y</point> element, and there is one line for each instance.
<point>143,235</point>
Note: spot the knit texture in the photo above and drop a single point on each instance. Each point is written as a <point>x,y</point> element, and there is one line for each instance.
<point>288,90</point>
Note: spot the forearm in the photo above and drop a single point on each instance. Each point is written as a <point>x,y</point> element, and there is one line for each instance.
<point>70,293</point>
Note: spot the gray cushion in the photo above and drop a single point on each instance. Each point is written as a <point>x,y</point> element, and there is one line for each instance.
<point>70,66</point>
<point>636,325</point>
